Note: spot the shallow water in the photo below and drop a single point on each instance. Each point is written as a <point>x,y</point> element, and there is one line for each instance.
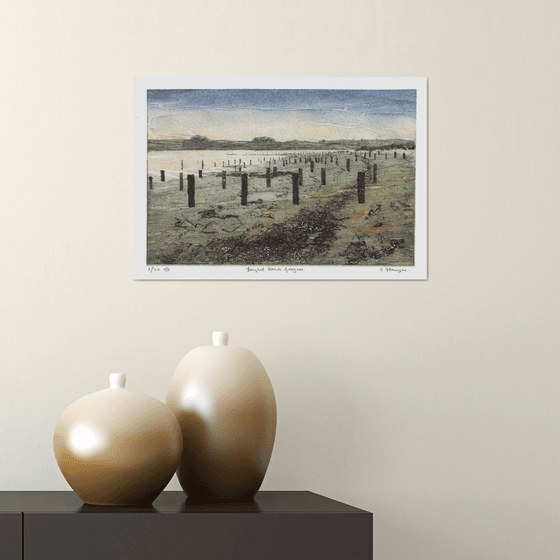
<point>170,161</point>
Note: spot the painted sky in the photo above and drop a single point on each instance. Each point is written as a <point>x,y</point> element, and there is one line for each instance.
<point>305,114</point>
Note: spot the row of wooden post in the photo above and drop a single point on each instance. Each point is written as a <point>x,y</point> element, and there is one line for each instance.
<point>275,170</point>
<point>317,159</point>
<point>297,181</point>
<point>311,165</point>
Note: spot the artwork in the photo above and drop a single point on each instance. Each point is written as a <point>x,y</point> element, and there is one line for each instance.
<point>280,178</point>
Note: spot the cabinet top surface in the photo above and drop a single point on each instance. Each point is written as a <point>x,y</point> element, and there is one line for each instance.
<point>174,502</point>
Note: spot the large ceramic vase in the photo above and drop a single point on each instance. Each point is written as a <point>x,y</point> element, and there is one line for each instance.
<point>118,447</point>
<point>225,405</point>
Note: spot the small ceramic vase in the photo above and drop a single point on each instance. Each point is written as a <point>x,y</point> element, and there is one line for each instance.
<point>117,447</point>
<point>225,405</point>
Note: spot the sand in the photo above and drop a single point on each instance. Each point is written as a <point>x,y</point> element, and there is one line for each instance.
<point>328,226</point>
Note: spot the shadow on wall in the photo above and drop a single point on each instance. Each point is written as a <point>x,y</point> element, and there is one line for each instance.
<point>394,541</point>
<point>342,420</point>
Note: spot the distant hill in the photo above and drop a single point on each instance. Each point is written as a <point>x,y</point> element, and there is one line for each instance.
<point>264,143</point>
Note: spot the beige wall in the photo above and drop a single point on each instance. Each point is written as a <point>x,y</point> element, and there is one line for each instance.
<point>432,404</point>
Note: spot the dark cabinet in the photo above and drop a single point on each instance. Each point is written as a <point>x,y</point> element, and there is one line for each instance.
<point>274,526</point>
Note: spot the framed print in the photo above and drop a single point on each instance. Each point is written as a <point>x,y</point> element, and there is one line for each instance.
<point>280,178</point>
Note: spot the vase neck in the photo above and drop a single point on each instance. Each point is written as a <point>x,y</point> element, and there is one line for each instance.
<point>117,381</point>
<point>220,338</point>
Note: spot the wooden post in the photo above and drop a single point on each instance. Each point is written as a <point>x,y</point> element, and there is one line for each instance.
<point>268,177</point>
<point>311,167</point>
<point>162,176</point>
<point>244,189</point>
<point>151,182</point>
<point>403,155</point>
<point>348,165</point>
<point>200,173</point>
<point>202,164</point>
<point>181,181</point>
<point>300,176</point>
<point>374,173</point>
<point>323,176</point>
<point>190,190</point>
<point>295,188</point>
<point>361,187</point>
<point>223,179</point>
<point>395,154</point>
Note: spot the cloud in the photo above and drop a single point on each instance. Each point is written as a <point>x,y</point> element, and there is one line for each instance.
<point>246,124</point>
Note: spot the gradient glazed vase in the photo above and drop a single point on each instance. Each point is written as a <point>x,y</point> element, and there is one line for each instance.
<point>117,447</point>
<point>225,405</point>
